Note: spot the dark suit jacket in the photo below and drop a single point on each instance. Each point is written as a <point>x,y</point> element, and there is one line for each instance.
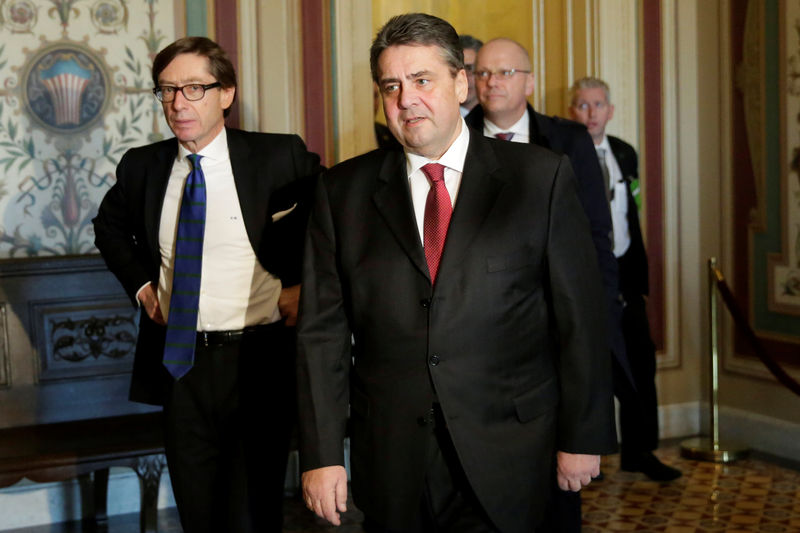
<point>635,281</point>
<point>572,139</point>
<point>272,172</point>
<point>510,341</point>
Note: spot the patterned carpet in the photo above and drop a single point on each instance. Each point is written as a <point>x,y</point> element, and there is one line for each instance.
<point>751,495</point>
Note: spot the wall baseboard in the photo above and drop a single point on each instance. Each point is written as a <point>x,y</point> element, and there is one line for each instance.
<point>758,432</point>
<point>28,504</point>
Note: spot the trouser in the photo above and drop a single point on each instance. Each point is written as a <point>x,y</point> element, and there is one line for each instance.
<point>638,407</point>
<point>227,428</point>
<point>448,503</point>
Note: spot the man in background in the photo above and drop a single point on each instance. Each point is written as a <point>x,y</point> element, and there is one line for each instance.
<point>591,105</point>
<point>204,231</point>
<point>471,45</point>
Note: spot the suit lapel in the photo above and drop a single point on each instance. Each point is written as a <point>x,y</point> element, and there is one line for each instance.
<point>393,200</point>
<point>157,173</point>
<point>244,176</point>
<point>476,196</point>
<point>539,129</point>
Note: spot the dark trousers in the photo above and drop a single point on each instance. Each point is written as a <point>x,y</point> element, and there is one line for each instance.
<point>638,407</point>
<point>448,503</point>
<point>227,428</point>
<point>563,515</point>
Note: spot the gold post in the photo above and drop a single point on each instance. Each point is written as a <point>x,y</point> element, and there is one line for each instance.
<point>709,448</point>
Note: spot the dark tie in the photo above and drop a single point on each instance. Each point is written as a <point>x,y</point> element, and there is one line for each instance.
<point>506,136</point>
<point>601,157</point>
<point>438,210</point>
<point>183,303</point>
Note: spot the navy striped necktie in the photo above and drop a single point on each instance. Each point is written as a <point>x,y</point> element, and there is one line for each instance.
<point>183,303</point>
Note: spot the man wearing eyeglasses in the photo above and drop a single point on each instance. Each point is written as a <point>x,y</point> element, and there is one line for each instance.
<point>504,81</point>
<point>204,231</point>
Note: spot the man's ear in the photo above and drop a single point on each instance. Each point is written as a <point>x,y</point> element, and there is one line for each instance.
<point>462,85</point>
<point>226,98</point>
<point>530,83</point>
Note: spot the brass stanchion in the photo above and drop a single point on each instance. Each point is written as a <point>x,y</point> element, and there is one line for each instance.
<point>710,448</point>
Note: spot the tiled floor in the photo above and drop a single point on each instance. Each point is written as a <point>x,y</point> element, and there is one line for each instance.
<point>751,495</point>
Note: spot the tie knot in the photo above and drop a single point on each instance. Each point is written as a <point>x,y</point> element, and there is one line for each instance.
<point>434,171</point>
<point>194,159</point>
<point>505,136</point>
<point>601,152</point>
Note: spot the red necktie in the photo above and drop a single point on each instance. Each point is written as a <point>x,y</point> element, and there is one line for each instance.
<point>438,210</point>
<point>504,136</point>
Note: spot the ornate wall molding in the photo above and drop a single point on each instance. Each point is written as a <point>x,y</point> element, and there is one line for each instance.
<point>5,362</point>
<point>670,356</point>
<point>80,338</point>
<point>784,267</point>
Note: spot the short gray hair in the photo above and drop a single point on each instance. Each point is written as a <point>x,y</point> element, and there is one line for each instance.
<point>418,29</point>
<point>589,82</point>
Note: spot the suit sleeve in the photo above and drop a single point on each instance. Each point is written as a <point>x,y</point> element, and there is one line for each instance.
<point>288,233</point>
<point>115,234</point>
<point>586,411</point>
<point>324,349</point>
<point>593,199</point>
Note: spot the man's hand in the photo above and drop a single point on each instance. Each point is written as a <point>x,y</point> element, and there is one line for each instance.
<point>576,470</point>
<point>147,296</point>
<point>288,302</point>
<point>325,492</point>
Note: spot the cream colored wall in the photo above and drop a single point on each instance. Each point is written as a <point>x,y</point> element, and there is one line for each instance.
<point>271,74</point>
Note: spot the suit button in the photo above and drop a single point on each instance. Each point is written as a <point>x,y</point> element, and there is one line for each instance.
<point>425,303</point>
<point>427,419</point>
<point>434,360</point>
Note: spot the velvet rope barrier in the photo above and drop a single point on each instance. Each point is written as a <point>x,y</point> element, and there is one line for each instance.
<point>744,327</point>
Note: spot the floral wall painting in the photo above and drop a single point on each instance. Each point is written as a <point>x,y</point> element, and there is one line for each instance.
<point>74,96</point>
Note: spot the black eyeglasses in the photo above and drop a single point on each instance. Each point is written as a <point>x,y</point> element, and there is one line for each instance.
<point>192,92</point>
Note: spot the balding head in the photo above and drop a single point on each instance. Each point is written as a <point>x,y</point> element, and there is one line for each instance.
<point>503,80</point>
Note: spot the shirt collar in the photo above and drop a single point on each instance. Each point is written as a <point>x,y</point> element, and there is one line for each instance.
<point>603,144</point>
<point>520,127</point>
<point>453,158</point>
<point>216,150</point>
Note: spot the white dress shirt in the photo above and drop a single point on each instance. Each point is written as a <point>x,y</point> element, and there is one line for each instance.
<point>453,161</point>
<point>235,290</point>
<point>520,129</point>
<point>619,204</point>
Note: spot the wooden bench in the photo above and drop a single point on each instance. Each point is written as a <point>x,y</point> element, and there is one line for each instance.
<point>87,449</point>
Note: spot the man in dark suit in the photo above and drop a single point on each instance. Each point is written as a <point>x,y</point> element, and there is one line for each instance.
<point>504,81</point>
<point>233,377</point>
<point>470,45</point>
<point>452,304</point>
<point>638,413</point>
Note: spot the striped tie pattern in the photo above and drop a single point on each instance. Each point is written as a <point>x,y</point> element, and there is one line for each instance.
<point>183,304</point>
<point>438,211</point>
